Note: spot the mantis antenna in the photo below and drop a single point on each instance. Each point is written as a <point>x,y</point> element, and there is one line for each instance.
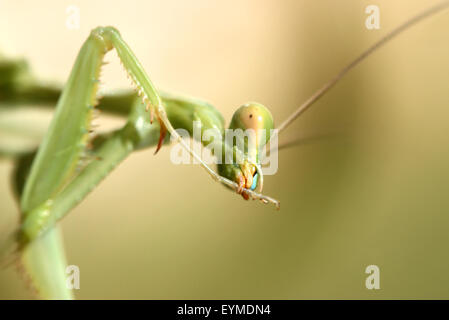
<point>330,84</point>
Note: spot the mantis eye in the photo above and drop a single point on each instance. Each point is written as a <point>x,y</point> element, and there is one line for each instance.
<point>255,116</point>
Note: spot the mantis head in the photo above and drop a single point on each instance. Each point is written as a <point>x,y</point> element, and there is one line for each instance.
<point>250,130</point>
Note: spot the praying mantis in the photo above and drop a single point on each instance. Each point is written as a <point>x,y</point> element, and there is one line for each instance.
<point>69,164</point>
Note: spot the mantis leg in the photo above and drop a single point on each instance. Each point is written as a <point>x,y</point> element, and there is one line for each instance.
<point>108,151</point>
<point>68,136</point>
<point>42,257</point>
<point>55,171</point>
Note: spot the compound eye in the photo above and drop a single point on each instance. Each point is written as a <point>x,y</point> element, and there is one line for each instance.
<point>252,115</point>
<point>252,118</point>
<point>255,178</point>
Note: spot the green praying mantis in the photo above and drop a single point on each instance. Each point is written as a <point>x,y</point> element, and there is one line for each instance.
<point>70,163</point>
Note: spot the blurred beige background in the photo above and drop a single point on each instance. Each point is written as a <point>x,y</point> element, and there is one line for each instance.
<point>154,230</point>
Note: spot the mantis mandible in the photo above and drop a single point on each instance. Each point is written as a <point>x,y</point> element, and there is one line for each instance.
<point>69,164</point>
